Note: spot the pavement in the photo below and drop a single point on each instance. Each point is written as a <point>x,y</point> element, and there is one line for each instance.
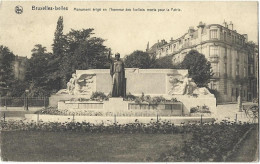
<point>4,108</point>
<point>16,113</point>
<point>231,112</point>
<point>224,112</point>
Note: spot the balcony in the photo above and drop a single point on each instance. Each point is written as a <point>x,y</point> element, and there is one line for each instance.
<point>225,75</point>
<point>216,75</point>
<point>251,60</point>
<point>214,59</point>
<point>186,45</point>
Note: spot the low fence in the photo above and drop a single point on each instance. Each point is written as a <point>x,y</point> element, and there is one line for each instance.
<point>166,109</point>
<point>132,108</point>
<point>108,120</point>
<point>23,101</point>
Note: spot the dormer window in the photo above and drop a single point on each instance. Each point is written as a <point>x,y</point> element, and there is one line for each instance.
<point>214,34</point>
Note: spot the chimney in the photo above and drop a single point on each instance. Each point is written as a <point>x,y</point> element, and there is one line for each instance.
<point>171,39</point>
<point>246,37</point>
<point>191,29</point>
<point>201,24</point>
<point>147,48</point>
<point>224,23</point>
<point>231,25</point>
<point>163,41</point>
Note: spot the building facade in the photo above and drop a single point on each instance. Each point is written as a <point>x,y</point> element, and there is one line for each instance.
<point>225,48</point>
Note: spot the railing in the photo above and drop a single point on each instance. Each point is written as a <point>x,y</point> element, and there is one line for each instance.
<point>214,59</point>
<point>187,44</point>
<point>84,105</point>
<point>251,60</point>
<point>22,101</point>
<point>216,75</point>
<point>166,109</point>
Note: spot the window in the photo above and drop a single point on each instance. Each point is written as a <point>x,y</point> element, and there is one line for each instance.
<point>225,87</point>
<point>213,85</point>
<point>214,67</point>
<point>213,34</point>
<point>237,70</point>
<point>225,36</point>
<point>213,51</point>
<point>225,67</point>
<point>244,71</point>
<point>251,69</point>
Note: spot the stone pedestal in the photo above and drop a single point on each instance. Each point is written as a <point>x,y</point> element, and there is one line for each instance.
<point>116,104</point>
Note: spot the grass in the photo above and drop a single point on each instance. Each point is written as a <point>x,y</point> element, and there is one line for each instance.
<point>77,147</point>
<point>247,152</point>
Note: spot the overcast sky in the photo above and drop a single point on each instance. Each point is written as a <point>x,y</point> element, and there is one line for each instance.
<point>124,31</point>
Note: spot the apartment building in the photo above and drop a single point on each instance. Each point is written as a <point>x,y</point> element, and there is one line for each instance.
<point>225,48</point>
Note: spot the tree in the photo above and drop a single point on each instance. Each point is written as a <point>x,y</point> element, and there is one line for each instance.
<point>36,74</point>
<point>6,69</point>
<point>199,68</point>
<point>38,50</point>
<point>139,59</point>
<point>250,47</point>
<point>80,51</point>
<point>164,62</point>
<point>58,44</point>
<point>84,51</point>
<point>56,64</point>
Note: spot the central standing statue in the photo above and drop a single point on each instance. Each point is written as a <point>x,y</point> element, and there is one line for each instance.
<point>117,71</point>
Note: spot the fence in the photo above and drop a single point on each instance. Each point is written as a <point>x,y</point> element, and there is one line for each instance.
<point>166,109</point>
<point>23,101</point>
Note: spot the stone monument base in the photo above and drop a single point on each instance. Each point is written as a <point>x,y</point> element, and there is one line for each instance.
<point>116,104</point>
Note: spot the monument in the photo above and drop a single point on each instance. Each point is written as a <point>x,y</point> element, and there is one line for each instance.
<point>117,72</point>
<point>117,81</point>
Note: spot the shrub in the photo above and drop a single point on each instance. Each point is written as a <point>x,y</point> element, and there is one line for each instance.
<point>152,100</point>
<point>129,97</point>
<point>200,109</point>
<point>194,110</point>
<point>98,96</point>
<point>209,143</point>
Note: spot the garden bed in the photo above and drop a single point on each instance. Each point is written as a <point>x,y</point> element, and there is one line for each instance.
<point>122,119</point>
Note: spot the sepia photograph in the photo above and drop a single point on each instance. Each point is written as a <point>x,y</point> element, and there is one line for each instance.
<point>135,81</point>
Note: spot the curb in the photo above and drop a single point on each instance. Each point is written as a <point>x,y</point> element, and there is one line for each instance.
<point>237,144</point>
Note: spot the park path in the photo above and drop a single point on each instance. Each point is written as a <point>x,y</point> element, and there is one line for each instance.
<point>248,151</point>
<point>230,112</point>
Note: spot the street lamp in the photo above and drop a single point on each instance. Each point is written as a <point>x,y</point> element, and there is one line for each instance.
<point>239,101</point>
<point>26,99</point>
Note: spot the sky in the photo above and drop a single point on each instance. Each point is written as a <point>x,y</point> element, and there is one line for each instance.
<point>124,31</point>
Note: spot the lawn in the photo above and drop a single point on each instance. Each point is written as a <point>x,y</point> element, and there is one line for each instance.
<point>247,152</point>
<point>79,146</point>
